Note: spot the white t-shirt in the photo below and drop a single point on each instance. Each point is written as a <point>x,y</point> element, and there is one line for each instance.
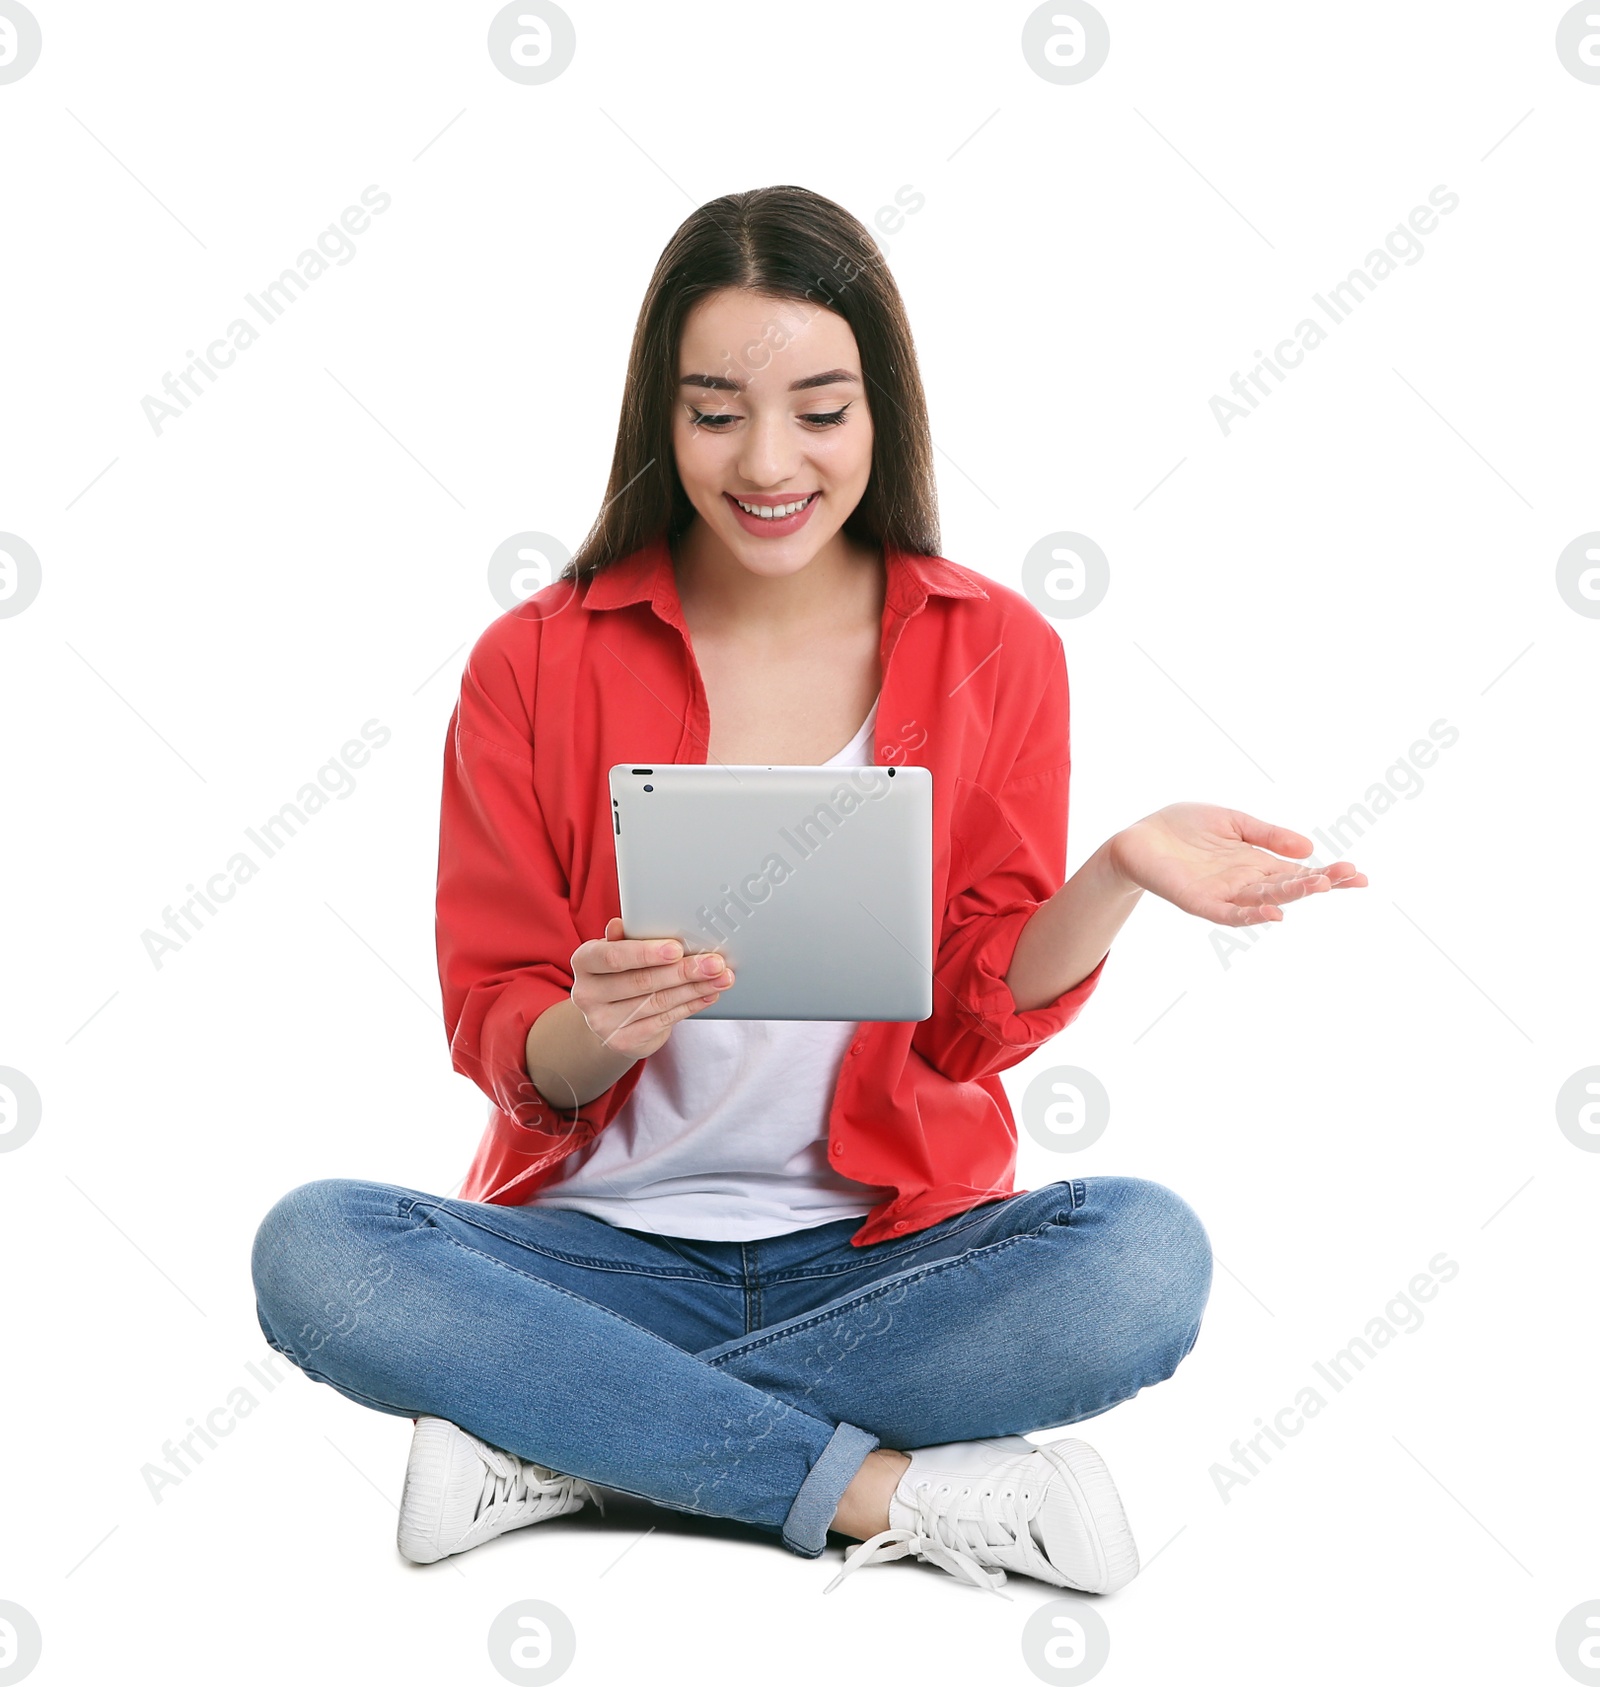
<point>725,1135</point>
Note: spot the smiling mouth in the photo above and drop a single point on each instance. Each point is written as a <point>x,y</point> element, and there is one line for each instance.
<point>774,512</point>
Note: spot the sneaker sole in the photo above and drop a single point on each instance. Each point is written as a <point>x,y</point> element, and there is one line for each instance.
<point>433,1444</point>
<point>439,1451</point>
<point>1089,1481</point>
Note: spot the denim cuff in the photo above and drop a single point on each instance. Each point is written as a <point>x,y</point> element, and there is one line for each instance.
<point>805,1529</point>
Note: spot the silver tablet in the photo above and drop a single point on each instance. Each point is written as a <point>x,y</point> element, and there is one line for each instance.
<point>816,883</point>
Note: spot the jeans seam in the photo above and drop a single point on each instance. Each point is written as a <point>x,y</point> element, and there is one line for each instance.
<point>877,1291</point>
<point>750,1258</point>
<point>978,1215</point>
<point>557,1288</point>
<point>586,1260</point>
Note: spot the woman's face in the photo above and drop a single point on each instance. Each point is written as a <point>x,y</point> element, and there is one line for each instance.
<point>771,413</point>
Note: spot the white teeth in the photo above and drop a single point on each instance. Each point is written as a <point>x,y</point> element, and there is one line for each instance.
<point>776,512</point>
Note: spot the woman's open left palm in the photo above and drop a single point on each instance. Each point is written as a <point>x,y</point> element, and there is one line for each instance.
<point>1217,863</point>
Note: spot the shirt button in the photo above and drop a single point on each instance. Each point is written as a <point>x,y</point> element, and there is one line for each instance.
<point>857,1046</point>
<point>900,1224</point>
<point>838,1149</point>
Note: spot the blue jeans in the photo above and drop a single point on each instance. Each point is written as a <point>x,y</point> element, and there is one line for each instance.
<point>743,1380</point>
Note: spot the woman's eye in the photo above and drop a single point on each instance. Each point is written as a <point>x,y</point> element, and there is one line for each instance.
<point>714,420</point>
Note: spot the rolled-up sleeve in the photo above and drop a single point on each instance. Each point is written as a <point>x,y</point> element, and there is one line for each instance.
<point>1008,858</point>
<point>503,924</point>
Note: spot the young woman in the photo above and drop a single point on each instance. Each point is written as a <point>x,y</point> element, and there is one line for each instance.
<point>774,1271</point>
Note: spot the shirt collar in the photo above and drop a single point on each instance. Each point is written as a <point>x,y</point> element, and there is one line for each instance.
<point>646,576</point>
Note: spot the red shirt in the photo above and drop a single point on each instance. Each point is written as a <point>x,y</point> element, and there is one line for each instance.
<point>581,676</point>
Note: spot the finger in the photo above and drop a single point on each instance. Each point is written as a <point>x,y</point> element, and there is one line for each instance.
<point>705,971</point>
<point>1345,875</point>
<point>1342,875</point>
<point>1265,835</point>
<point>699,974</point>
<point>1281,887</point>
<point>1234,914</point>
<point>661,1008</point>
<point>1292,887</point>
<point>627,954</point>
<point>640,1011</point>
<point>615,955</point>
<point>697,993</point>
<point>672,1015</point>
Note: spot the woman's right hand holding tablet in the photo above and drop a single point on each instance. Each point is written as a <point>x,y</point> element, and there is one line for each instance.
<point>632,991</point>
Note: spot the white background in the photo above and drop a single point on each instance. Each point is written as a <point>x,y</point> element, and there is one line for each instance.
<point>1374,549</point>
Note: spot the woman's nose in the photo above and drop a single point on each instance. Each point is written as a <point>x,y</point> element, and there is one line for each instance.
<point>769,456</point>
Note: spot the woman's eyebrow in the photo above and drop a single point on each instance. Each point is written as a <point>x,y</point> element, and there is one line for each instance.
<point>724,383</point>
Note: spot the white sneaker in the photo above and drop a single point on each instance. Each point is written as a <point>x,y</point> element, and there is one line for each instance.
<point>980,1508</point>
<point>460,1492</point>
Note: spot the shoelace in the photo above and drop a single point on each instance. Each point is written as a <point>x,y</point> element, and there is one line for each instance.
<point>939,1539</point>
<point>519,1483</point>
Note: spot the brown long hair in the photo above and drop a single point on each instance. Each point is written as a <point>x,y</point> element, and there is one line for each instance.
<point>788,243</point>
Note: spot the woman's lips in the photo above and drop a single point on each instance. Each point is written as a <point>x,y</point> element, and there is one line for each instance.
<point>766,527</point>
